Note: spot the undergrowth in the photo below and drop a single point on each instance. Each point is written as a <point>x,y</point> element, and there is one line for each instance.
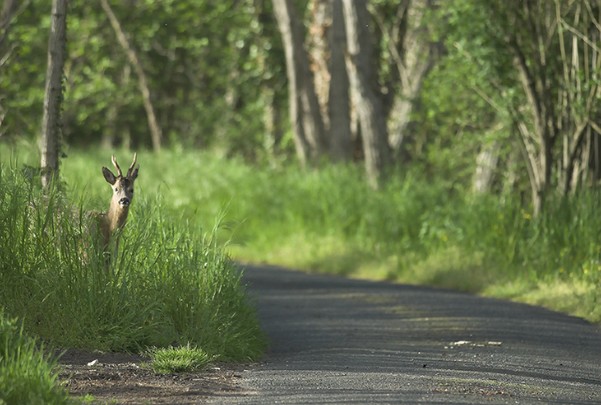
<point>171,283</point>
<point>27,374</point>
<point>415,229</point>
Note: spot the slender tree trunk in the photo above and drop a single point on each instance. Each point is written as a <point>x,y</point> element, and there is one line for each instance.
<point>273,124</point>
<point>341,147</point>
<point>6,15</point>
<point>594,161</point>
<point>290,38</point>
<point>486,165</point>
<point>359,63</point>
<point>413,55</point>
<point>153,125</point>
<point>305,114</point>
<point>318,52</point>
<point>53,96</point>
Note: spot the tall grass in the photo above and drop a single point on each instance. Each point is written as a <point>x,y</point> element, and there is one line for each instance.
<point>27,375</point>
<point>169,285</point>
<point>416,229</point>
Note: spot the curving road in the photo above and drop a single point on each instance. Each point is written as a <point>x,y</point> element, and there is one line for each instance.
<point>341,341</point>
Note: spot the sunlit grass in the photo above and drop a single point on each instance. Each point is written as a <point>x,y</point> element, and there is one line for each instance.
<point>178,359</point>
<point>171,283</point>
<point>571,296</point>
<point>413,230</point>
<point>27,374</point>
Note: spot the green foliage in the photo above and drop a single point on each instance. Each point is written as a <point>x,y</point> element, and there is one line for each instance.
<point>466,98</point>
<point>178,359</point>
<point>418,228</point>
<point>204,61</point>
<point>169,284</point>
<point>27,375</point>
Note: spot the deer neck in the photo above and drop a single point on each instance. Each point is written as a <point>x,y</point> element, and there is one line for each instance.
<point>116,216</point>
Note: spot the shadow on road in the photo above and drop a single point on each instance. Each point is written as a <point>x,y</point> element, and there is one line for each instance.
<point>335,340</point>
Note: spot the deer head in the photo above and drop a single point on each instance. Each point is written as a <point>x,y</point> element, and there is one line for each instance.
<point>123,193</point>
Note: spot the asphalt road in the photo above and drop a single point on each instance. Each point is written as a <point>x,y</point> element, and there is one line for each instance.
<point>335,340</point>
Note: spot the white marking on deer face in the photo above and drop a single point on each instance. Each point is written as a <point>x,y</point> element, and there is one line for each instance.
<point>123,191</point>
<point>123,186</point>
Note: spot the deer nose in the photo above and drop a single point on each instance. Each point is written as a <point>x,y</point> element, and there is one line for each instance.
<point>124,202</point>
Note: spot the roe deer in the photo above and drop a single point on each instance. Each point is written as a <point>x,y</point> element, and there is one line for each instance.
<point>113,221</point>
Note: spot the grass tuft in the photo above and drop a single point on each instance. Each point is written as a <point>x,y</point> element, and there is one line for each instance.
<point>178,359</point>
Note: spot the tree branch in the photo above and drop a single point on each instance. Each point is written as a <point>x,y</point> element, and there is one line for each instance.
<point>155,129</point>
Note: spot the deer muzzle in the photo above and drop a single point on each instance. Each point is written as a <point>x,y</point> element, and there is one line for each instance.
<point>124,202</point>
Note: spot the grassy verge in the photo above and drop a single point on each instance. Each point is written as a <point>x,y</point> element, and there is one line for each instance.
<point>415,230</point>
<point>172,284</point>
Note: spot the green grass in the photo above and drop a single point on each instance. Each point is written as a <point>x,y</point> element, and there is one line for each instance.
<point>27,375</point>
<point>415,229</point>
<point>173,286</point>
<point>169,360</point>
<point>172,283</point>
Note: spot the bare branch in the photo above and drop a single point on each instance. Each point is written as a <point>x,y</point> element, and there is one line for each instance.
<point>153,125</point>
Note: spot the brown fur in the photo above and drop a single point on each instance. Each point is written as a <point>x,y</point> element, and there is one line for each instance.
<point>113,221</point>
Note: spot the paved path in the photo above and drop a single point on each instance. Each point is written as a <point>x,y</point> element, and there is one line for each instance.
<point>345,341</point>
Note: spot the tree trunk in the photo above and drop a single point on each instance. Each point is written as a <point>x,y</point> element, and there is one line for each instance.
<point>6,15</point>
<point>413,55</point>
<point>273,124</point>
<point>153,125</point>
<point>486,165</point>
<point>53,96</point>
<point>359,63</point>
<point>305,114</point>
<point>340,139</point>
<point>318,52</point>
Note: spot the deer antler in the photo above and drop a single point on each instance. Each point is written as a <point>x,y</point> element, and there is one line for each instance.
<point>114,160</point>
<point>131,167</point>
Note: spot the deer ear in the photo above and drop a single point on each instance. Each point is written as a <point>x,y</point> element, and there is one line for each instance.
<point>109,176</point>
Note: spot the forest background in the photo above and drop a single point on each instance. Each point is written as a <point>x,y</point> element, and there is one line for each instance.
<point>453,143</point>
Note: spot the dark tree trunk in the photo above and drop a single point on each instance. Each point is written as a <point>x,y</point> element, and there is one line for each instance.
<point>53,97</point>
<point>341,147</point>
<point>359,63</point>
<point>305,114</point>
